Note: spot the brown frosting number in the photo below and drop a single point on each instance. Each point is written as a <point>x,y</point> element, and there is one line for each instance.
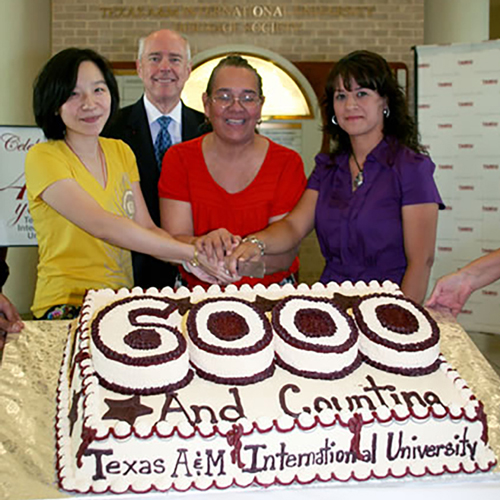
<point>397,318</point>
<point>227,325</point>
<point>143,339</point>
<point>314,323</point>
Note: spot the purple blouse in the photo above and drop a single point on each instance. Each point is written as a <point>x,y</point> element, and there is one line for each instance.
<point>361,233</point>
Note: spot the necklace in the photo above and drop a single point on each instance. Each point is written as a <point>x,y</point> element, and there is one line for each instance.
<point>358,180</point>
<point>102,160</point>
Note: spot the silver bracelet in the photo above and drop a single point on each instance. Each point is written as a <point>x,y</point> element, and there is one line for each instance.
<point>259,243</point>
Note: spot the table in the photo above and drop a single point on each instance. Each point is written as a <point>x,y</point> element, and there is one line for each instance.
<point>28,380</point>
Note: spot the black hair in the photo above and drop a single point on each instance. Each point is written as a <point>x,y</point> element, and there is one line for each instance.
<point>233,61</point>
<point>370,70</point>
<point>56,81</point>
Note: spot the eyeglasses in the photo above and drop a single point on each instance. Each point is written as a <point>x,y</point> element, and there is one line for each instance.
<point>225,99</point>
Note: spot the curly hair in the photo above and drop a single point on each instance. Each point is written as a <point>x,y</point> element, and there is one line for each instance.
<point>55,82</point>
<point>233,61</point>
<point>371,71</point>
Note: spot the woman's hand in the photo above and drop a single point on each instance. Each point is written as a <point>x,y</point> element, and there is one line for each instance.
<point>217,244</point>
<point>210,272</point>
<point>242,253</point>
<point>200,273</point>
<point>451,291</point>
<point>10,321</point>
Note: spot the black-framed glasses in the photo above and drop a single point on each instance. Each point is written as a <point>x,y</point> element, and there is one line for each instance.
<point>248,100</point>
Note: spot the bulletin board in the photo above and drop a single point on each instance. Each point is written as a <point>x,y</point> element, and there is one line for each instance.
<point>458,113</point>
<point>16,225</point>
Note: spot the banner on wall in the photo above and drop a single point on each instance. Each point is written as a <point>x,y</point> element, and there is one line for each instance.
<point>458,112</point>
<point>16,225</point>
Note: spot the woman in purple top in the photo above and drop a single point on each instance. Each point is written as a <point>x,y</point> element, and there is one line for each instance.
<point>373,200</point>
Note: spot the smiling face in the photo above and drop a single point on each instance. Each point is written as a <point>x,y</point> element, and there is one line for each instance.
<point>87,109</point>
<point>359,111</point>
<point>164,68</point>
<point>235,105</point>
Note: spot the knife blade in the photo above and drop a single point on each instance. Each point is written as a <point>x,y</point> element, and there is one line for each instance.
<point>252,268</point>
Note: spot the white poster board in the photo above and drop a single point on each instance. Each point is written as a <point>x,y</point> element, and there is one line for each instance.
<point>285,133</point>
<point>458,111</point>
<point>16,225</point>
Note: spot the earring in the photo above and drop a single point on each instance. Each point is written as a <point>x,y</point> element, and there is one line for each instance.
<point>386,112</point>
<point>334,121</point>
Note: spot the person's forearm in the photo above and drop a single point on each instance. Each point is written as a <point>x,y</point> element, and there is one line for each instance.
<point>416,280</point>
<point>185,238</point>
<point>279,238</point>
<point>154,241</point>
<point>419,234</point>
<point>280,262</point>
<point>483,271</point>
<point>140,235</point>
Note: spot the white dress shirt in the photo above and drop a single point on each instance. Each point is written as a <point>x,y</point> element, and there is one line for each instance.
<point>175,126</point>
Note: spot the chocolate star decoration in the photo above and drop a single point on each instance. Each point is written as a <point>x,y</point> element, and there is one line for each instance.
<point>184,305</point>
<point>345,302</point>
<point>73,412</point>
<point>127,410</point>
<point>265,305</point>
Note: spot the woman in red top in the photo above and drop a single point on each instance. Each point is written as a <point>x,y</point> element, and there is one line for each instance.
<point>231,181</point>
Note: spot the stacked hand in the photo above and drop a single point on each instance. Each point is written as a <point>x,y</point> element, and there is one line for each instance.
<point>209,272</point>
<point>219,253</point>
<point>244,252</point>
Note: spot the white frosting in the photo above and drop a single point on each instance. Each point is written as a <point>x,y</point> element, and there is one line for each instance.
<point>312,361</point>
<point>223,363</point>
<point>287,317</point>
<point>113,329</point>
<point>397,359</point>
<point>304,427</point>
<point>244,310</point>
<point>303,359</point>
<point>368,309</point>
<point>390,356</point>
<point>228,366</point>
<point>139,377</point>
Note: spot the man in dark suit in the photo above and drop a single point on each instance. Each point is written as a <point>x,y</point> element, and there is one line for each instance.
<point>164,65</point>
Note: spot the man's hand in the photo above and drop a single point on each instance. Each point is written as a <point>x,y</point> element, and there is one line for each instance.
<point>451,292</point>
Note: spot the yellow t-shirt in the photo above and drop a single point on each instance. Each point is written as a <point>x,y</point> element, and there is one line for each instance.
<point>70,260</point>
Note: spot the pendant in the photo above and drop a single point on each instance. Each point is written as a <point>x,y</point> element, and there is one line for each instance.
<point>358,180</point>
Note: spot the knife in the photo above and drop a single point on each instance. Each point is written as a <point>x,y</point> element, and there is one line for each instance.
<point>252,268</point>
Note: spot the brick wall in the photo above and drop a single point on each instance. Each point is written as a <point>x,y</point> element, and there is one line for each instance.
<point>299,30</point>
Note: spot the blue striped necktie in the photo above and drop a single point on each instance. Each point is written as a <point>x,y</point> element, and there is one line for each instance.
<point>163,139</point>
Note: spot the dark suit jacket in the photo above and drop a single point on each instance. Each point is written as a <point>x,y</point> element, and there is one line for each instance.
<point>131,126</point>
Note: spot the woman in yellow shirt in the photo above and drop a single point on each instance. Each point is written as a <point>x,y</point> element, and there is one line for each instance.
<point>84,193</point>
